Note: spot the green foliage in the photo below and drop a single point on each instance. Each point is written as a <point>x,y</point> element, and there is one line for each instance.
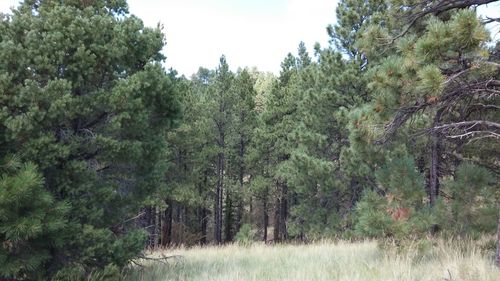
<point>364,139</point>
<point>85,99</point>
<point>372,218</point>
<point>401,213</point>
<point>31,221</point>
<point>245,235</point>
<point>474,201</point>
<point>401,180</point>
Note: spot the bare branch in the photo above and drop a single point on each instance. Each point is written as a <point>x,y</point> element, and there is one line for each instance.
<point>437,7</point>
<point>491,20</point>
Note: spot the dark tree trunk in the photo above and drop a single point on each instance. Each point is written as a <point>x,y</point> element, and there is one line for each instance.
<point>203,224</point>
<point>434,166</point>
<point>265,218</point>
<point>239,215</point>
<point>434,170</point>
<point>284,212</point>
<point>147,224</point>
<point>166,238</point>
<point>202,211</point>
<point>229,217</point>
<point>435,143</point>
<point>218,199</point>
<point>179,234</point>
<point>497,256</point>
<point>277,217</point>
<point>154,228</point>
<point>241,174</point>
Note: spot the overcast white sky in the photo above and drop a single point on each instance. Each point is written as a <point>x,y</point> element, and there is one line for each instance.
<point>249,32</point>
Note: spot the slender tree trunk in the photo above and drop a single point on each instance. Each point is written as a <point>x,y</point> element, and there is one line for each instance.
<point>434,170</point>
<point>229,217</point>
<point>146,223</point>
<point>277,217</point>
<point>497,256</point>
<point>179,237</point>
<point>217,239</point>
<point>154,229</point>
<point>434,166</point>
<point>218,199</point>
<point>221,197</point>
<point>241,174</point>
<point>166,238</point>
<point>265,218</point>
<point>203,222</point>
<point>203,212</point>
<point>284,212</point>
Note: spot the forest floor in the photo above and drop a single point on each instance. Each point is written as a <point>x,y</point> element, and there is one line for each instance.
<point>328,261</point>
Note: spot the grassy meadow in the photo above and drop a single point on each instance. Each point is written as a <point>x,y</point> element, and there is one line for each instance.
<point>328,261</point>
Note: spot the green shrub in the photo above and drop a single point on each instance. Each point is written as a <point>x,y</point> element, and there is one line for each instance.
<point>245,235</point>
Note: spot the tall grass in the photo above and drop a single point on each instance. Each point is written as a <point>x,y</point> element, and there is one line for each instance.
<point>452,261</point>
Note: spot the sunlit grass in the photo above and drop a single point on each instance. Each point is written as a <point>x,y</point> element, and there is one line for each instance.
<point>324,261</point>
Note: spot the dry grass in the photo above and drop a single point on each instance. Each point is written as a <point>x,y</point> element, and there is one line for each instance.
<point>457,261</point>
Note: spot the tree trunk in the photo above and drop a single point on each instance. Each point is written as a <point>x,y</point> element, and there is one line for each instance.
<point>229,217</point>
<point>218,199</point>
<point>203,224</point>
<point>434,166</point>
<point>497,256</point>
<point>277,217</point>
<point>149,223</point>
<point>203,212</point>
<point>284,212</point>
<point>241,174</point>
<point>166,238</point>
<point>154,227</point>
<point>265,218</point>
<point>434,170</point>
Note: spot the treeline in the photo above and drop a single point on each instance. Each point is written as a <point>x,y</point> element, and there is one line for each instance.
<point>391,131</point>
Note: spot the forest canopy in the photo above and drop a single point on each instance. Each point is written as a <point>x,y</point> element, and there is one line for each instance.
<point>390,132</point>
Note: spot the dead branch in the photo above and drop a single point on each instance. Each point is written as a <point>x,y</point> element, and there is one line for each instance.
<point>162,259</point>
<point>433,7</point>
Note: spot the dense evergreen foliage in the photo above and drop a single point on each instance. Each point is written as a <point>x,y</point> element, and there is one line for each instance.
<point>390,132</point>
<point>85,105</point>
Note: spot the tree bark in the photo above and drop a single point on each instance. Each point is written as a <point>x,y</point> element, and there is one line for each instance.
<point>203,212</point>
<point>265,218</point>
<point>154,227</point>
<point>218,199</point>
<point>435,142</point>
<point>497,256</point>
<point>229,217</point>
<point>276,232</point>
<point>147,223</point>
<point>241,174</point>
<point>166,238</point>
<point>203,225</point>
<point>284,212</point>
<point>434,169</point>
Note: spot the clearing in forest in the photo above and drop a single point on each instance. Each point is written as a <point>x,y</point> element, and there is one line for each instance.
<point>326,261</point>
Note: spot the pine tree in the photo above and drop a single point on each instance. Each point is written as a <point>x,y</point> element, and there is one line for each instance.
<point>243,124</point>
<point>31,220</point>
<point>222,106</point>
<point>444,53</point>
<point>85,99</point>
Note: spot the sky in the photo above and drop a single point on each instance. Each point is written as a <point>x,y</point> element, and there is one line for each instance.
<point>248,32</point>
<point>253,33</point>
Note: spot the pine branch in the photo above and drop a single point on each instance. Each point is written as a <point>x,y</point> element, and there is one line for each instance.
<point>437,7</point>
